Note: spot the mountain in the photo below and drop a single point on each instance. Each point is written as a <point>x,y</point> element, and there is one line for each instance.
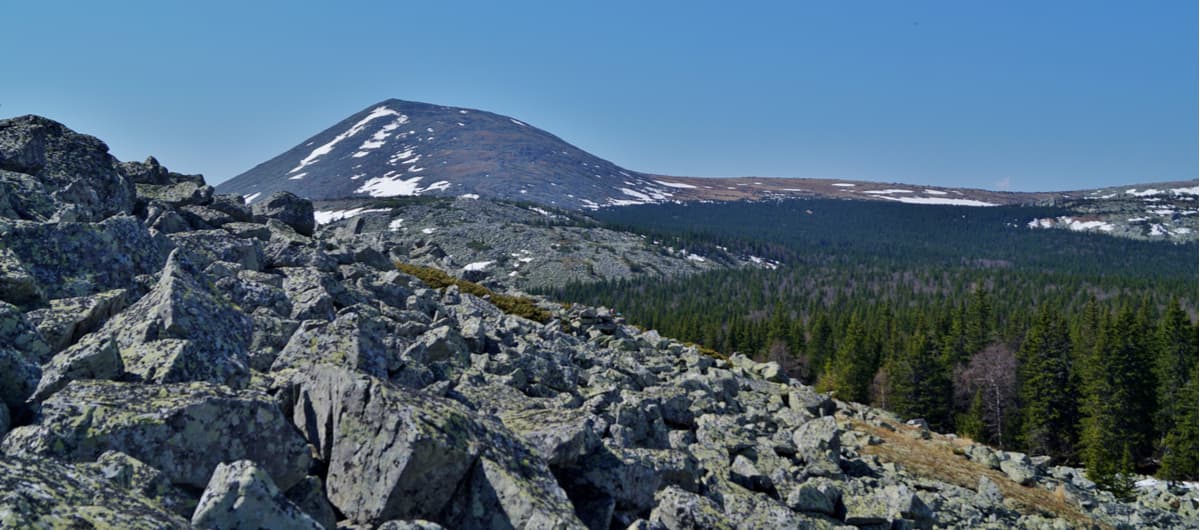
<point>401,148</point>
<point>405,148</point>
<point>171,357</point>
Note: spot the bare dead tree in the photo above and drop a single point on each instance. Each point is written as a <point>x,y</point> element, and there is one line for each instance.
<point>993,373</point>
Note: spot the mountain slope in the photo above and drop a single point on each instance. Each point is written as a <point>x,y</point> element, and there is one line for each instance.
<point>397,148</point>
<point>405,148</point>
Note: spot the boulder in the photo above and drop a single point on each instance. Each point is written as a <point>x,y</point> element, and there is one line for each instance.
<point>42,493</point>
<point>151,172</point>
<point>678,509</point>
<point>66,320</point>
<point>309,496</point>
<point>354,340</point>
<point>76,169</point>
<point>79,259</point>
<point>288,209</point>
<point>141,480</point>
<point>391,454</point>
<point>396,454</point>
<point>95,357</point>
<point>184,430</point>
<point>180,331</point>
<point>241,496</point>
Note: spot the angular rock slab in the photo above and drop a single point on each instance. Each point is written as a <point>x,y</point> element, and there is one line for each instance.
<point>41,493</point>
<point>76,166</point>
<point>395,454</point>
<point>183,430</point>
<point>180,331</point>
<point>79,259</point>
<point>391,454</point>
<point>240,496</point>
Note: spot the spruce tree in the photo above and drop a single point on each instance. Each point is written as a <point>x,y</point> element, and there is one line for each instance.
<point>1046,393</point>
<point>920,383</point>
<point>1181,449</point>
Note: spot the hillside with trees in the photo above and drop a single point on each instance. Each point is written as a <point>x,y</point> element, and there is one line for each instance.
<point>1082,348</point>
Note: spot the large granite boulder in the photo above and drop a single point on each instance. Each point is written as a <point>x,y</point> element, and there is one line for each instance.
<point>184,430</point>
<point>241,496</point>
<point>76,169</point>
<point>288,209</point>
<point>42,493</point>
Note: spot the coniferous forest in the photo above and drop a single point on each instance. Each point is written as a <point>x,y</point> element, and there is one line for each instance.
<point>1079,347</point>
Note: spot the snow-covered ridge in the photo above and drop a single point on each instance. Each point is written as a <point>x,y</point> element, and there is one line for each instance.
<point>327,148</point>
<point>939,200</point>
<point>328,216</point>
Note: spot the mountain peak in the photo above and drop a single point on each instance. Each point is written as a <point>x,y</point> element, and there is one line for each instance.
<point>397,147</point>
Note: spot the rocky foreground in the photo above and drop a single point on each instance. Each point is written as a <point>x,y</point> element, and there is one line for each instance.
<point>172,358</point>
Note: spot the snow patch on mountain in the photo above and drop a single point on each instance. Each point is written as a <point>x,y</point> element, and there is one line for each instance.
<point>939,200</point>
<point>325,149</point>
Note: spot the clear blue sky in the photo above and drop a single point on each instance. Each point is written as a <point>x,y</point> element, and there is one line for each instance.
<point>1026,95</point>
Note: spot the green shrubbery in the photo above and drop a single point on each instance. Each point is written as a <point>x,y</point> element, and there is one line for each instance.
<point>513,305</point>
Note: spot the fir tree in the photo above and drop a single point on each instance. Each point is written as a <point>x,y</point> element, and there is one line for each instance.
<point>1047,397</point>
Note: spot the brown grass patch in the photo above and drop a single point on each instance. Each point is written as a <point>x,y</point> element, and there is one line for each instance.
<point>943,458</point>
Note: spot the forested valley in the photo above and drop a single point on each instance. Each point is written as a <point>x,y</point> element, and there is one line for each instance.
<point>1078,347</point>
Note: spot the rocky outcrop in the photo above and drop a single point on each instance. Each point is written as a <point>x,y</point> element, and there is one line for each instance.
<point>241,496</point>
<point>211,364</point>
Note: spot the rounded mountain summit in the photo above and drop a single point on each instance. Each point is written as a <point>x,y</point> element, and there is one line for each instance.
<point>400,147</point>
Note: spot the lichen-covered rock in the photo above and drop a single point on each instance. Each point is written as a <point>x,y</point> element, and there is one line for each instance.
<point>17,286</point>
<point>184,430</point>
<point>141,480</point>
<point>309,496</point>
<point>94,357</point>
<point>176,194</point>
<point>152,172</point>
<point>208,246</point>
<point>288,209</point>
<point>561,437</point>
<point>395,454</point>
<point>42,493</point>
<point>354,340</point>
<point>241,496</point>
<point>68,319</point>
<point>391,454</point>
<point>180,331</point>
<point>18,379</point>
<point>76,169</point>
<point>1018,468</point>
<point>678,509</point>
<point>79,259</point>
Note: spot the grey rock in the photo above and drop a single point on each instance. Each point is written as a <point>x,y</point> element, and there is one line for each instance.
<point>354,340</point>
<point>181,331</point>
<point>66,320</point>
<point>678,509</point>
<point>309,496</point>
<point>418,524</point>
<point>141,480</point>
<point>117,250</point>
<point>1019,469</point>
<point>818,495</point>
<point>42,493</point>
<point>176,194</point>
<point>184,430</point>
<point>95,357</point>
<point>151,172</point>
<point>240,496</point>
<point>560,437</point>
<point>390,454</point>
<point>76,169</point>
<point>288,209</point>
<point>207,246</point>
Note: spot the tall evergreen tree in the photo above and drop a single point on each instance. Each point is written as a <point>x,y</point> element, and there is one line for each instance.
<point>1115,430</point>
<point>1181,449</point>
<point>1047,396</point>
<point>920,382</point>
<point>1175,363</point>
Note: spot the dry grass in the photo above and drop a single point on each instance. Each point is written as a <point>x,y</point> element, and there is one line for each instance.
<point>942,458</point>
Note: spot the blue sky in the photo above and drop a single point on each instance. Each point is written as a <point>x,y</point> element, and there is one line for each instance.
<point>1002,95</point>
